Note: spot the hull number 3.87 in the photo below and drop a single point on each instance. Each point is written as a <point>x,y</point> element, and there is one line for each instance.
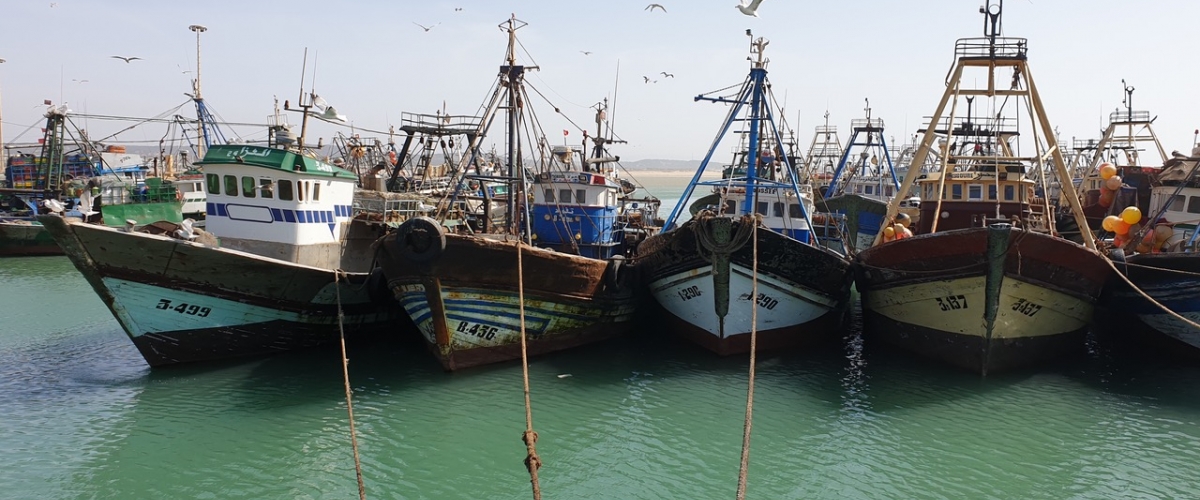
<point>951,303</point>
<point>182,308</point>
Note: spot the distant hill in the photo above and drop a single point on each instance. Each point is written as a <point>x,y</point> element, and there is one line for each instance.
<point>685,165</point>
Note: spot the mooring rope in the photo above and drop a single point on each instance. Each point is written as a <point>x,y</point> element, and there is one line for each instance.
<point>1146,296</point>
<point>362,489</point>
<point>704,240</point>
<point>741,488</point>
<point>532,462</point>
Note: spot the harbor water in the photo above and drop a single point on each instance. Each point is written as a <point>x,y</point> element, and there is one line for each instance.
<point>646,417</point>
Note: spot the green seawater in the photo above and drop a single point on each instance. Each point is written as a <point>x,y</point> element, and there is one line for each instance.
<point>648,417</point>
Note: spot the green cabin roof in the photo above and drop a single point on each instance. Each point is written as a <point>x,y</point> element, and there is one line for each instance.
<point>278,159</point>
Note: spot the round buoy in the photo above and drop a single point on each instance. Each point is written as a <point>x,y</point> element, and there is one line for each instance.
<point>420,239</point>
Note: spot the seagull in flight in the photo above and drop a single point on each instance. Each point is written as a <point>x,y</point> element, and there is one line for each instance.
<point>458,9</point>
<point>79,81</point>
<point>646,78</point>
<point>653,6</point>
<point>126,59</point>
<point>667,75</point>
<point>749,9</point>
<point>586,52</point>
<point>426,28</point>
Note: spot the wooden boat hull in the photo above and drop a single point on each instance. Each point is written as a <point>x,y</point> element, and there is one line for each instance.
<point>803,291</point>
<point>183,302</point>
<point>864,218</point>
<point>26,238</point>
<point>984,299</point>
<point>465,300</point>
<point>1171,279</point>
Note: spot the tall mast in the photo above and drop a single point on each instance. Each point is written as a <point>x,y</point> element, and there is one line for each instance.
<point>201,133</point>
<point>3,156</point>
<point>514,74</point>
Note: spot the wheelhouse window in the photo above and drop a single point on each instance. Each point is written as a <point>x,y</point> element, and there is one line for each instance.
<point>974,192</point>
<point>1193,205</point>
<point>1009,193</point>
<point>991,192</point>
<point>248,187</point>
<point>316,194</point>
<point>761,207</point>
<point>214,183</point>
<point>564,195</point>
<point>581,196</point>
<point>549,196</point>
<point>730,207</point>
<point>777,209</point>
<point>231,185</point>
<point>301,187</point>
<point>266,188</point>
<point>794,211</point>
<point>956,192</point>
<point>1176,203</point>
<point>285,190</point>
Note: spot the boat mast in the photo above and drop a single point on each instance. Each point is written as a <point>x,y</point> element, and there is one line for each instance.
<point>514,74</point>
<point>758,74</point>
<point>3,155</point>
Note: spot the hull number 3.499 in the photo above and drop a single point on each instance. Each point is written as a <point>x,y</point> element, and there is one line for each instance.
<point>182,308</point>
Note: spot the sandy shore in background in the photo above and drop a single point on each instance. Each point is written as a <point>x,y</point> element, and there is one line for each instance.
<point>671,173</point>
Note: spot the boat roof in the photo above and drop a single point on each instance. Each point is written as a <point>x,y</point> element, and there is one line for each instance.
<point>273,158</point>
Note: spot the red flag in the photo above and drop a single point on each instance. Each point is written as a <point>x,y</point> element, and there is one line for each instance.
<point>41,141</point>
<point>47,102</point>
<point>565,132</point>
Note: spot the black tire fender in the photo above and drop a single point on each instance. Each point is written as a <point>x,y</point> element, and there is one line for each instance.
<point>420,239</point>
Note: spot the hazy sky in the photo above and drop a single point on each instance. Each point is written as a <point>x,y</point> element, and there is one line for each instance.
<point>373,63</point>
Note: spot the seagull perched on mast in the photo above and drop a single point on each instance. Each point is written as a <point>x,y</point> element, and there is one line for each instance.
<point>653,6</point>
<point>126,59</point>
<point>749,9</point>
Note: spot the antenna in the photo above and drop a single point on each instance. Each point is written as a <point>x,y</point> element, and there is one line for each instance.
<point>198,29</point>
<point>992,25</point>
<point>1128,102</point>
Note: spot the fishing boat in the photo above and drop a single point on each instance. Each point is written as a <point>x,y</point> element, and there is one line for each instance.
<point>280,266</point>
<point>1163,289</point>
<point>863,182</point>
<point>551,269</point>
<point>985,284</point>
<point>747,259</point>
<point>80,180</point>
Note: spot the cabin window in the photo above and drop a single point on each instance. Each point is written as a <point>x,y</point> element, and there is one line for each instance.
<point>778,209</point>
<point>730,207</point>
<point>214,183</point>
<point>564,195</point>
<point>794,211</point>
<point>761,207</point>
<point>992,192</point>
<point>248,187</point>
<point>301,187</point>
<point>870,189</point>
<point>581,196</point>
<point>889,192</point>
<point>285,190</point>
<point>956,192</point>
<point>1009,192</point>
<point>231,185</point>
<point>1193,205</point>
<point>975,192</point>
<point>316,191</point>
<point>1176,203</point>
<point>266,188</point>
<point>549,196</point>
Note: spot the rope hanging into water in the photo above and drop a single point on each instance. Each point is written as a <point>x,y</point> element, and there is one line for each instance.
<point>741,488</point>
<point>362,489</point>
<point>532,462</point>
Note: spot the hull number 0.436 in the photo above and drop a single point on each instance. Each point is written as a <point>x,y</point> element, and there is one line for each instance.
<point>182,308</point>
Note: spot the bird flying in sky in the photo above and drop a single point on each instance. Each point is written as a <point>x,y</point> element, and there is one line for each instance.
<point>586,52</point>
<point>126,59</point>
<point>750,8</point>
<point>426,28</point>
<point>653,6</point>
<point>646,78</point>
<point>667,75</point>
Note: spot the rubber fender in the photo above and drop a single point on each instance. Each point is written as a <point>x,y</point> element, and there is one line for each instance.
<point>614,272</point>
<point>420,239</point>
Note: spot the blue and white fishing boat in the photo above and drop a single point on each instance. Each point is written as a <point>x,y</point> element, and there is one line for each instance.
<point>272,283</point>
<point>462,287</point>
<point>701,270</point>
